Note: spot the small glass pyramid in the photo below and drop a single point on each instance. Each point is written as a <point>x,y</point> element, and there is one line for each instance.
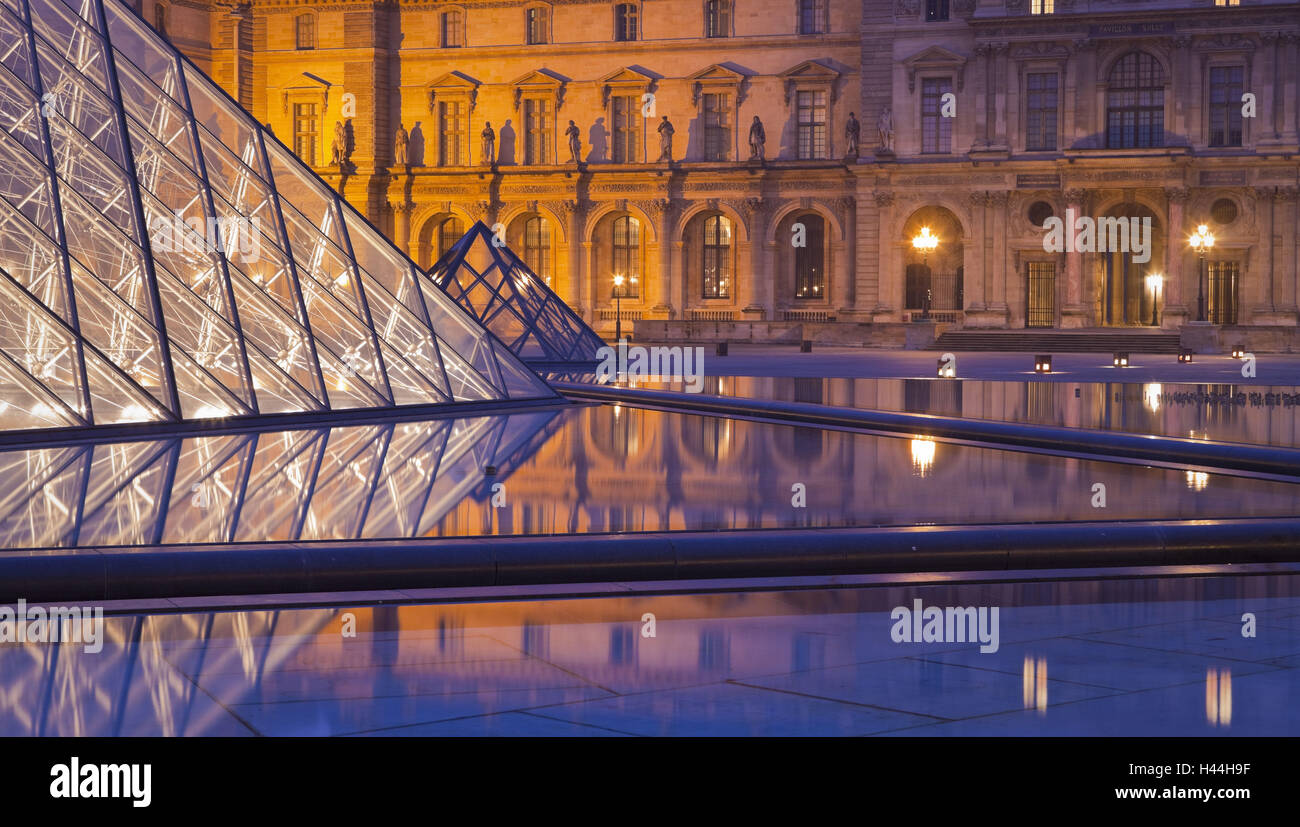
<point>494,285</point>
<point>163,257</point>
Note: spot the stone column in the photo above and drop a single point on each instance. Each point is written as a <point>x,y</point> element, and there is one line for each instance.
<point>843,288</point>
<point>669,257</point>
<point>1288,273</point>
<point>888,308</point>
<point>402,230</point>
<point>1174,313</point>
<point>755,284</point>
<point>997,276</point>
<point>1075,312</point>
<point>975,274</point>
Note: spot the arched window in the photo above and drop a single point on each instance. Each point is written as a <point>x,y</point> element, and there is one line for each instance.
<point>304,28</point>
<point>625,22</point>
<point>160,18</point>
<point>627,254</point>
<point>717,257</point>
<point>809,260</point>
<point>1135,103</point>
<point>537,247</point>
<point>812,16</point>
<point>449,233</point>
<point>453,29</point>
<point>717,18</point>
<point>537,28</point>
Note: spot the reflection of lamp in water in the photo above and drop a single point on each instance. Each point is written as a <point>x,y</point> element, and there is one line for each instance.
<point>1201,241</point>
<point>1197,480</point>
<point>1151,395</point>
<point>1155,281</point>
<point>1218,696</point>
<point>925,242</point>
<point>1033,676</point>
<point>922,455</point>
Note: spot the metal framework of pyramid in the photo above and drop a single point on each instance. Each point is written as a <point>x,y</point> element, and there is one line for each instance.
<point>499,290</point>
<point>163,257</point>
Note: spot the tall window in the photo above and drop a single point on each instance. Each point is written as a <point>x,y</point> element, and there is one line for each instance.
<point>627,255</point>
<point>717,18</point>
<point>453,29</point>
<point>1135,103</point>
<point>453,134</point>
<point>304,26</point>
<point>811,123</point>
<point>625,117</point>
<point>717,257</point>
<point>812,16</point>
<point>625,21</point>
<point>306,131</point>
<point>1042,6</point>
<point>916,284</point>
<point>537,131</point>
<point>449,232</point>
<point>535,24</point>
<point>1225,105</point>
<point>160,18</point>
<point>1222,297</point>
<point>936,10</point>
<point>809,260</point>
<point>1040,111</point>
<point>537,246</point>
<point>936,130</point>
<point>716,111</point>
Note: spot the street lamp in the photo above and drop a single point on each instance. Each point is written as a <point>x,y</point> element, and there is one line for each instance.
<point>925,242</point>
<point>1202,240</point>
<point>618,307</point>
<point>1155,281</point>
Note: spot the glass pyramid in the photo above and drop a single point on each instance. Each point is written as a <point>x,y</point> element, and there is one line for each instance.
<point>163,257</point>
<point>497,288</point>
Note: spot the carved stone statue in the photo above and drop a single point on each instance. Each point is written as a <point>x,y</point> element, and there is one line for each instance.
<point>757,140</point>
<point>575,142</point>
<point>665,131</point>
<point>885,131</point>
<point>401,145</point>
<point>489,137</point>
<point>852,136</point>
<point>339,146</point>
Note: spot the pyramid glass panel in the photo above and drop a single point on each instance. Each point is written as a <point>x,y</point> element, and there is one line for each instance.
<point>496,287</point>
<point>164,258</point>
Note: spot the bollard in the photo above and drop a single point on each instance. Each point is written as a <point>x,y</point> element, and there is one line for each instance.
<point>722,349</point>
<point>805,346</point>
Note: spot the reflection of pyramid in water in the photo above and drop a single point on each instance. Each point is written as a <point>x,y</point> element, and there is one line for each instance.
<point>114,151</point>
<point>499,290</point>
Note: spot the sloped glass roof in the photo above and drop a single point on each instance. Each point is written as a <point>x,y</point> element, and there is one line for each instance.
<point>163,257</point>
<point>495,286</point>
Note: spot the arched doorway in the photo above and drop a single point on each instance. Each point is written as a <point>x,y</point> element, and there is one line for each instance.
<point>437,235</point>
<point>933,282</point>
<point>1129,246</point>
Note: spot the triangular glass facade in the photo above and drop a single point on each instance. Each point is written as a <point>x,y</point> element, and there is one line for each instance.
<point>495,286</point>
<point>163,257</point>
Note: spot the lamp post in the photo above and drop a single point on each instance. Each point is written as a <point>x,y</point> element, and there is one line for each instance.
<point>618,307</point>
<point>1154,282</point>
<point>1202,241</point>
<point>925,242</point>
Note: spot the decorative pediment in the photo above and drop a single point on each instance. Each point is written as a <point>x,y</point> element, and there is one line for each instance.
<point>453,84</point>
<point>628,79</point>
<point>305,94</point>
<point>1225,43</point>
<point>809,73</point>
<point>542,82</point>
<point>935,58</point>
<point>716,76</point>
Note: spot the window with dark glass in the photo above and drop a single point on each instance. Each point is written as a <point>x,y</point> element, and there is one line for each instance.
<point>811,125</point>
<point>936,10</point>
<point>625,22</point>
<point>936,130</point>
<point>812,16</point>
<point>625,120</point>
<point>535,20</point>
<point>809,260</point>
<point>453,29</point>
<point>716,110</point>
<point>449,232</point>
<point>627,255</point>
<point>537,246</point>
<point>305,31</point>
<point>1135,103</point>
<point>717,18</point>
<point>1222,291</point>
<point>1040,111</point>
<point>453,144</point>
<point>717,257</point>
<point>306,131</point>
<point>1226,89</point>
<point>537,131</point>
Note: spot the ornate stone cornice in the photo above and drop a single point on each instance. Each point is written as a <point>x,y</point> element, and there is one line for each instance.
<point>884,198</point>
<point>1177,194</point>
